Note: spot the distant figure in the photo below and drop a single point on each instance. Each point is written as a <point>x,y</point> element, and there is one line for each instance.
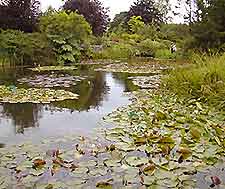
<point>173,48</point>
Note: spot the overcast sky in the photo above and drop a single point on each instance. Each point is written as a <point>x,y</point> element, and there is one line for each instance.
<point>115,6</point>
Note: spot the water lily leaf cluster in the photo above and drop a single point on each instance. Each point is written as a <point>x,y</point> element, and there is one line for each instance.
<point>53,68</point>
<point>12,94</point>
<point>159,142</point>
<point>50,81</point>
<point>180,138</point>
<point>134,68</point>
<point>84,163</point>
<point>147,82</point>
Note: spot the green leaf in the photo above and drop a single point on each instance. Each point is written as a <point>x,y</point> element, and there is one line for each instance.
<point>67,48</point>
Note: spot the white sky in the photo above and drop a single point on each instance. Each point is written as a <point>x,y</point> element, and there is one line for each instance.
<point>115,6</point>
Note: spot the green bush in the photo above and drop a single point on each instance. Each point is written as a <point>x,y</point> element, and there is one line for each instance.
<point>165,54</point>
<point>21,48</point>
<point>203,80</point>
<point>69,33</point>
<point>148,48</point>
<point>149,32</point>
<point>116,51</point>
<point>131,37</point>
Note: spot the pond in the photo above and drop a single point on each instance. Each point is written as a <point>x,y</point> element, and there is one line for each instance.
<point>99,94</point>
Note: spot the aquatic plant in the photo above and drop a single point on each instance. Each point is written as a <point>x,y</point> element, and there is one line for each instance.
<point>12,94</point>
<point>53,68</point>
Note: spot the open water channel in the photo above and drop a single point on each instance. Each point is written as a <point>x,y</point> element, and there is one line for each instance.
<point>99,94</point>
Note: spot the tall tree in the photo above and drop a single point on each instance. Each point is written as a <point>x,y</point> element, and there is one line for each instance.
<point>209,29</point>
<point>93,11</point>
<point>149,10</point>
<point>19,14</point>
<point>119,21</point>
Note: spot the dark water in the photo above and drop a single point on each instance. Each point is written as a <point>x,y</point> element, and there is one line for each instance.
<point>100,94</point>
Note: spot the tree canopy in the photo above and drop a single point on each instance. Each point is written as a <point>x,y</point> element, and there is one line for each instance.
<point>93,11</point>
<point>19,14</point>
<point>208,29</point>
<point>148,10</point>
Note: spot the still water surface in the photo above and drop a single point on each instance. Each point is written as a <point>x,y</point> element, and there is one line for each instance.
<point>100,93</point>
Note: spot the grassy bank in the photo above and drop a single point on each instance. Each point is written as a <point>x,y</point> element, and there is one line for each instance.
<point>204,80</point>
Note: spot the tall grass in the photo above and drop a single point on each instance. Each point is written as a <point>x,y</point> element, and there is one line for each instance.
<point>204,80</point>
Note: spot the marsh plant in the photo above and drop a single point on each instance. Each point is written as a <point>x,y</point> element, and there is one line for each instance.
<point>205,79</point>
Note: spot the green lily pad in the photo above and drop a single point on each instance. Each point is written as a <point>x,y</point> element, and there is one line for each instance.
<point>53,68</point>
<point>34,95</point>
<point>136,161</point>
<point>149,180</point>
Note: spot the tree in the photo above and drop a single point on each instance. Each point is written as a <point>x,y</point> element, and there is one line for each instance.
<point>93,11</point>
<point>19,14</point>
<point>135,24</point>
<point>209,28</point>
<point>148,10</point>
<point>119,21</point>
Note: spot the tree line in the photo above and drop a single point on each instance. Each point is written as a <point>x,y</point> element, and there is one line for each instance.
<point>204,18</point>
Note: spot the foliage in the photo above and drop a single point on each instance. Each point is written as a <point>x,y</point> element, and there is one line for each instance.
<point>180,137</point>
<point>116,51</point>
<point>53,68</point>
<point>148,10</point>
<point>149,32</point>
<point>135,24</point>
<point>132,39</point>
<point>68,32</point>
<point>21,48</point>
<point>19,14</point>
<point>13,95</point>
<point>119,22</point>
<point>208,26</point>
<point>178,33</point>
<point>148,48</point>
<point>51,80</point>
<point>165,54</point>
<point>204,80</point>
<point>136,67</point>
<point>93,11</point>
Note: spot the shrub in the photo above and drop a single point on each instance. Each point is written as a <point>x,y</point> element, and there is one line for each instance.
<point>116,51</point>
<point>21,48</point>
<point>149,32</point>
<point>68,33</point>
<point>148,48</point>
<point>165,54</point>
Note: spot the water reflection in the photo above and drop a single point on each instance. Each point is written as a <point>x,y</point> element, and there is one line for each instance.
<point>91,94</point>
<point>23,115</point>
<point>100,94</point>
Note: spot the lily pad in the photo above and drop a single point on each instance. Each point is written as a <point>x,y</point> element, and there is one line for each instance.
<point>34,95</point>
<point>50,81</point>
<point>136,161</point>
<point>53,68</point>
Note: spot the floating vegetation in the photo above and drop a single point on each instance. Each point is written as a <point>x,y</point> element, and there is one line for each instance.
<point>134,68</point>
<point>159,141</point>
<point>86,163</point>
<point>54,68</point>
<point>147,82</point>
<point>14,95</point>
<point>50,81</point>
<point>180,138</point>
